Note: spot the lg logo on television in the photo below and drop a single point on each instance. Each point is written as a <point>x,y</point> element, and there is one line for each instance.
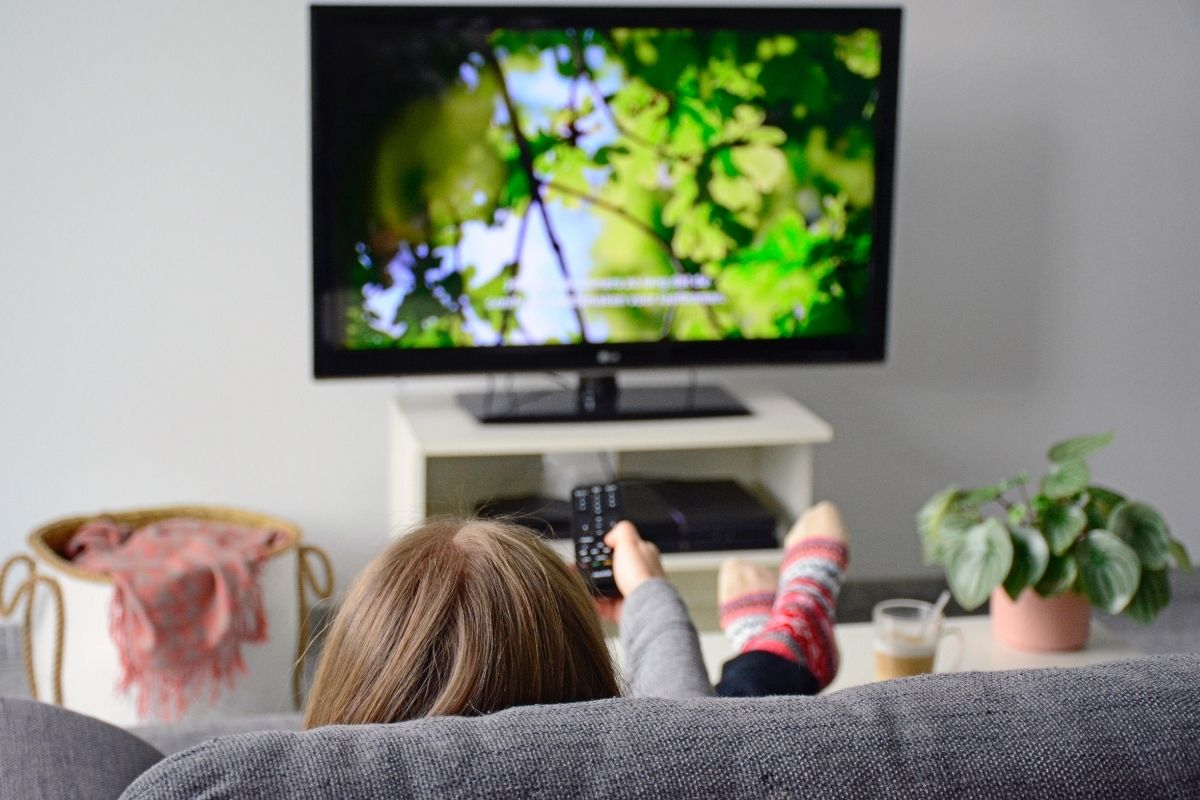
<point>607,356</point>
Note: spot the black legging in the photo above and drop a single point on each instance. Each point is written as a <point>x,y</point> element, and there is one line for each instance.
<point>758,674</point>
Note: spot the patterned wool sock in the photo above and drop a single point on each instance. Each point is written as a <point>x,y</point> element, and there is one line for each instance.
<point>745,617</point>
<point>800,627</point>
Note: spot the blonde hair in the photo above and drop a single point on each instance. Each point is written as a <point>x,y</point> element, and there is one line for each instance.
<point>460,618</point>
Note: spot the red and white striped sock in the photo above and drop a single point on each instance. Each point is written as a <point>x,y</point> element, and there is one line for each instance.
<point>745,616</point>
<point>800,625</point>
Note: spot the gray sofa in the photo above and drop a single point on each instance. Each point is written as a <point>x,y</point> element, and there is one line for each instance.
<point>1121,730</point>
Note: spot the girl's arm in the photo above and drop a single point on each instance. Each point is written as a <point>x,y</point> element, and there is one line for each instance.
<point>662,650</point>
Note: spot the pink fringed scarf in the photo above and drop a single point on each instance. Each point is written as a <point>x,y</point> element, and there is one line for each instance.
<point>186,597</point>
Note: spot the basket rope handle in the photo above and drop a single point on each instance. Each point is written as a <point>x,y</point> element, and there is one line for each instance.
<point>306,581</point>
<point>27,590</point>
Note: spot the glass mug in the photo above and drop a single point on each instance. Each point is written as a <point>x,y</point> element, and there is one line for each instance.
<point>906,637</point>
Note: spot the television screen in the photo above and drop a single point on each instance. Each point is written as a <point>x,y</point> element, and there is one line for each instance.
<point>528,188</point>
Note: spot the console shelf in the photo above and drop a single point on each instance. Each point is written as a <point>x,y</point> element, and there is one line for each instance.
<point>444,461</point>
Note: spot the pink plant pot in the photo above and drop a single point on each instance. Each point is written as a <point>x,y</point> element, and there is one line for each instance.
<point>1041,623</point>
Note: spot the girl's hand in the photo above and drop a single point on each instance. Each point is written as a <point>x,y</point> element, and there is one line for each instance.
<point>635,560</point>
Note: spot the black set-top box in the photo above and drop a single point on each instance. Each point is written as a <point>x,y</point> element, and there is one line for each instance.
<point>679,516</point>
<point>684,516</point>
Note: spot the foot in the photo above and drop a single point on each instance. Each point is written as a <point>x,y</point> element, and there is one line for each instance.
<point>821,521</point>
<point>800,626</point>
<point>746,593</point>
<point>738,577</point>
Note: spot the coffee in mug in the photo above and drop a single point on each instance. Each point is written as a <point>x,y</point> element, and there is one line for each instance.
<point>906,638</point>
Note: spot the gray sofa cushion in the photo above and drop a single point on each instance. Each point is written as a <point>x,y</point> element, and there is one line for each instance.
<point>1128,729</point>
<point>49,753</point>
<point>171,738</point>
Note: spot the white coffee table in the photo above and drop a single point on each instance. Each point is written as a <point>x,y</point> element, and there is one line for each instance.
<point>980,651</point>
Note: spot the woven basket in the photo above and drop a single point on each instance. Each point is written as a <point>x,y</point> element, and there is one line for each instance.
<point>71,658</point>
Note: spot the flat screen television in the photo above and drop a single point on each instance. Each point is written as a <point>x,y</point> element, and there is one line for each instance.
<point>503,189</point>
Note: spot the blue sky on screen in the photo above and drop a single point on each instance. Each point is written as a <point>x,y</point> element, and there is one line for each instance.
<point>545,313</point>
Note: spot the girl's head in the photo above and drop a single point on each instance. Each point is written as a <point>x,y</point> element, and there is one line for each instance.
<point>460,617</point>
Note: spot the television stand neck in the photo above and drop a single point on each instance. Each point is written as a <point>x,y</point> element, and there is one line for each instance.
<point>598,398</point>
<point>598,393</point>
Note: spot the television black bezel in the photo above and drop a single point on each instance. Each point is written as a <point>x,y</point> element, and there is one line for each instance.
<point>331,361</point>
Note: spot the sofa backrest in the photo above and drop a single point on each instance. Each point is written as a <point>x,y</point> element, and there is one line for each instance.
<point>170,737</point>
<point>49,753</point>
<point>1127,729</point>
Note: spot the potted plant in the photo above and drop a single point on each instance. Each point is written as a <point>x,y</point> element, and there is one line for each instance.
<point>1072,543</point>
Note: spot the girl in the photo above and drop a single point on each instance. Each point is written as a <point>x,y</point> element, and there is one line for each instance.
<point>470,617</point>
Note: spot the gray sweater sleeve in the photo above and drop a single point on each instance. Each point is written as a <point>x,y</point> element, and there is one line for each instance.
<point>662,650</point>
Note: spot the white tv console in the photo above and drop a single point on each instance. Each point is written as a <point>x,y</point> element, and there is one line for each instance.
<point>444,461</point>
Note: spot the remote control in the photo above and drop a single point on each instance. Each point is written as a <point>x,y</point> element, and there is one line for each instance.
<point>594,512</point>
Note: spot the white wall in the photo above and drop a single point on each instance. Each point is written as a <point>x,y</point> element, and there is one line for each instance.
<point>1047,274</point>
<point>154,259</point>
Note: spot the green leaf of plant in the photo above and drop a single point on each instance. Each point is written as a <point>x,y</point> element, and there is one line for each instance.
<point>1059,575</point>
<point>683,199</point>
<point>1065,478</point>
<point>954,529</point>
<point>1100,504</point>
<point>735,193</point>
<point>861,52</point>
<point>1031,554</point>
<point>986,494</point>
<point>1179,555</point>
<point>1109,570</point>
<point>746,120</point>
<point>1062,523</point>
<point>1079,447</point>
<point>1018,513</point>
<point>687,135</point>
<point>481,294</point>
<point>1153,594</point>
<point>565,166</point>
<point>942,522</point>
<point>516,190</point>
<point>929,521</point>
<point>762,164</point>
<point>1143,529</point>
<point>978,563</point>
<point>420,305</point>
<point>697,237</point>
